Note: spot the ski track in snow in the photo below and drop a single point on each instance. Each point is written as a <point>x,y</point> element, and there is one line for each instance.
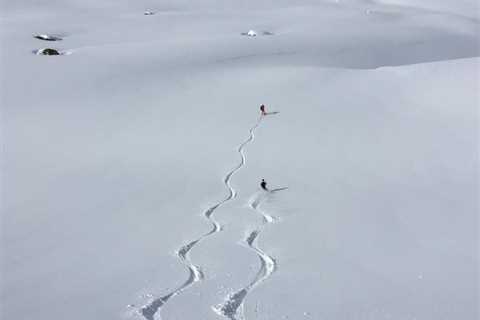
<point>232,308</point>
<point>152,309</point>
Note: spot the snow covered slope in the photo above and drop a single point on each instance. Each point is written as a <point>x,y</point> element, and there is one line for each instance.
<point>116,156</point>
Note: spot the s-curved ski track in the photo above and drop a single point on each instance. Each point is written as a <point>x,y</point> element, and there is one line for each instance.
<point>232,308</point>
<point>152,309</point>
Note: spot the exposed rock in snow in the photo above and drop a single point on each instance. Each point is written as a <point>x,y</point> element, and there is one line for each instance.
<point>47,37</point>
<point>48,52</point>
<point>253,33</point>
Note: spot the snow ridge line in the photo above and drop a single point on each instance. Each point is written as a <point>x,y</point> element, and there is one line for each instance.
<point>232,308</point>
<point>196,274</point>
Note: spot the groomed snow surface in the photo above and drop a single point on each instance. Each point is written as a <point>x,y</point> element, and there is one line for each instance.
<point>131,166</point>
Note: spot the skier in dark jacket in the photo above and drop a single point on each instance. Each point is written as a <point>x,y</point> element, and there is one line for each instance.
<point>263,184</point>
<point>262,108</point>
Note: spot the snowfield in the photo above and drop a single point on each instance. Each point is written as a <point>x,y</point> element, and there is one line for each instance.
<point>131,163</point>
